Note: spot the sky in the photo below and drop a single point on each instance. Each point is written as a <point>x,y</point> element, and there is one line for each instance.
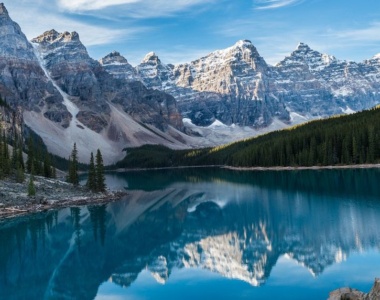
<point>180,31</point>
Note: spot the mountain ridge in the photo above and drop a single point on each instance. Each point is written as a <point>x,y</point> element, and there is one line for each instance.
<point>306,83</point>
<point>227,95</point>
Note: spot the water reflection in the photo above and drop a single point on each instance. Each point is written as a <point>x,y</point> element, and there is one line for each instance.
<point>236,224</point>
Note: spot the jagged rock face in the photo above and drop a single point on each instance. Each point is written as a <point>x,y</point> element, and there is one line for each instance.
<point>219,86</point>
<point>119,67</point>
<point>236,85</point>
<point>315,84</point>
<point>11,121</point>
<point>91,86</point>
<point>22,81</point>
<point>229,85</point>
<point>69,65</point>
<point>68,97</point>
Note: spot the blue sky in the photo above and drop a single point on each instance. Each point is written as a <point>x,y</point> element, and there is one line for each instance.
<point>183,30</point>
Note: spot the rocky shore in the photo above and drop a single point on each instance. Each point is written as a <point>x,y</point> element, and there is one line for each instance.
<point>353,294</point>
<point>50,194</point>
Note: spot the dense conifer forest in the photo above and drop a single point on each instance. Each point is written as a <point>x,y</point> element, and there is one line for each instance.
<point>341,140</point>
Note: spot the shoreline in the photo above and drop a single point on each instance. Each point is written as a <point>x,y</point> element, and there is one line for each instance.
<point>278,168</point>
<point>51,194</point>
<point>33,208</point>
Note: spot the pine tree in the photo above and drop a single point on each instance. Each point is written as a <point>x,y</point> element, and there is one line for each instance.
<point>14,158</point>
<point>47,166</point>
<point>100,179</point>
<point>20,176</point>
<point>20,157</point>
<point>53,170</point>
<point>7,161</point>
<point>73,167</point>
<point>31,187</point>
<point>30,160</point>
<point>92,178</point>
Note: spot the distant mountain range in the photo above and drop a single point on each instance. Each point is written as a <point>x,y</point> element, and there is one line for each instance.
<point>68,97</point>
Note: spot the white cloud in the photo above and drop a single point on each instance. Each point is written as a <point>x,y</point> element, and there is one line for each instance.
<point>90,35</point>
<point>134,8</point>
<point>84,5</point>
<point>272,4</point>
<point>369,34</point>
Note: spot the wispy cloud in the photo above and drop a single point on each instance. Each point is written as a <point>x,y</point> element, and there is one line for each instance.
<point>133,8</point>
<point>90,34</point>
<point>83,5</point>
<point>370,33</point>
<point>273,4</point>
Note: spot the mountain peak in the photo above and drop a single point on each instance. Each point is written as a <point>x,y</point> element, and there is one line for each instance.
<point>302,47</point>
<point>3,10</point>
<point>73,36</point>
<point>113,58</point>
<point>151,57</point>
<point>52,36</point>
<point>242,43</point>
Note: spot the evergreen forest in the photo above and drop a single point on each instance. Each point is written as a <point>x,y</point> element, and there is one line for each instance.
<point>341,140</point>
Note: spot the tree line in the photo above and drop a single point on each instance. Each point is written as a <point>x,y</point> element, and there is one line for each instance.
<point>341,140</point>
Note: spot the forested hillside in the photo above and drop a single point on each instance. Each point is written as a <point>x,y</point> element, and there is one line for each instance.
<point>343,140</point>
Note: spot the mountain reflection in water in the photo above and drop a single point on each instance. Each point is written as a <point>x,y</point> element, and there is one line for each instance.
<point>236,224</point>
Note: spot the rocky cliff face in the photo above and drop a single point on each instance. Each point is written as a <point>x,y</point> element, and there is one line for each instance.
<point>236,86</point>
<point>11,121</point>
<point>91,88</point>
<point>230,85</point>
<point>68,97</point>
<point>22,81</point>
<point>318,85</point>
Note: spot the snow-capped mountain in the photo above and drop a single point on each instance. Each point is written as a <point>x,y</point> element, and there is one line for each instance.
<point>236,86</point>
<point>225,96</point>
<point>230,85</point>
<point>68,97</point>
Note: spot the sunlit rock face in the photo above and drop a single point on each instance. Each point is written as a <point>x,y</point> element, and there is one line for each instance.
<point>237,86</point>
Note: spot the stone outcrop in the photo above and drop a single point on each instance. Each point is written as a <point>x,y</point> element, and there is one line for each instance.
<point>353,294</point>
<point>11,121</point>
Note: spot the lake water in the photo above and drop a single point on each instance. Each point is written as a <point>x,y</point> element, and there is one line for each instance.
<point>202,234</point>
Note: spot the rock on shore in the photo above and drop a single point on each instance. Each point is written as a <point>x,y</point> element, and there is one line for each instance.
<point>353,294</point>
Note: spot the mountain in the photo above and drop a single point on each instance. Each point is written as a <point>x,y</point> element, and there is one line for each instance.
<point>22,80</point>
<point>230,85</point>
<point>236,86</point>
<point>68,97</point>
<point>318,85</point>
<point>231,94</point>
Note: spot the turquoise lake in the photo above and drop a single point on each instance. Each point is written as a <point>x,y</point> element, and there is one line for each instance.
<point>202,234</point>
